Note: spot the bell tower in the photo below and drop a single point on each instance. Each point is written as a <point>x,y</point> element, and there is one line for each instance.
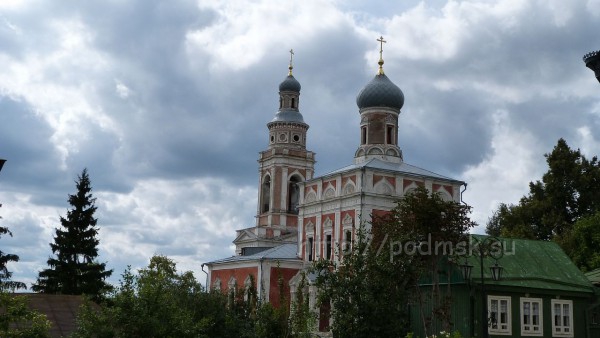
<point>284,163</point>
<point>379,104</point>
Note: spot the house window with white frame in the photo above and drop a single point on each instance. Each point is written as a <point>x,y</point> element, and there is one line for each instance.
<point>562,318</point>
<point>531,317</point>
<point>499,315</point>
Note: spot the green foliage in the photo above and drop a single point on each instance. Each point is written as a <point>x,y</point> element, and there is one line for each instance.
<point>370,289</point>
<point>442,334</point>
<point>368,293</point>
<point>5,275</point>
<point>583,243</point>
<point>74,270</point>
<point>157,302</point>
<point>271,322</point>
<point>17,320</point>
<point>441,228</point>
<point>160,302</point>
<point>567,193</point>
<point>303,319</point>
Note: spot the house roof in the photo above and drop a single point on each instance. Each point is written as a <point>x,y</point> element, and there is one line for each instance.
<point>280,252</point>
<point>594,276</point>
<point>402,167</point>
<point>61,310</point>
<point>533,264</point>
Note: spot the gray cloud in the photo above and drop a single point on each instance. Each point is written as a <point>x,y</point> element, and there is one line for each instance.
<point>167,105</point>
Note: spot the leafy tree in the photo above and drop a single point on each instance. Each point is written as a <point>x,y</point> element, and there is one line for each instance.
<point>5,258</point>
<point>157,302</point>
<point>75,270</point>
<point>269,321</point>
<point>583,242</point>
<point>302,319</point>
<point>18,320</point>
<point>371,287</point>
<point>567,193</point>
<point>437,230</point>
<point>367,292</point>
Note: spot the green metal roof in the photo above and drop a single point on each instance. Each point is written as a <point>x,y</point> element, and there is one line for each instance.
<point>533,264</point>
<point>594,276</point>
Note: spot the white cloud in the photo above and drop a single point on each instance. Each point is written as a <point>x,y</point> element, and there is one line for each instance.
<point>192,219</point>
<point>122,90</point>
<point>245,31</point>
<point>59,84</point>
<point>590,146</point>
<point>504,175</point>
<point>176,97</point>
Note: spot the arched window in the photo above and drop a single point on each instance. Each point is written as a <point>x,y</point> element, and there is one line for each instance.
<point>266,195</point>
<point>363,134</point>
<point>249,292</point>
<point>390,134</point>
<point>293,195</point>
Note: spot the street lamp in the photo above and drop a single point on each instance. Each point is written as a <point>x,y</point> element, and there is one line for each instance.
<point>488,247</point>
<point>592,61</point>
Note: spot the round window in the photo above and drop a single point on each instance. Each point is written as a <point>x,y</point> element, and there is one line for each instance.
<point>296,138</point>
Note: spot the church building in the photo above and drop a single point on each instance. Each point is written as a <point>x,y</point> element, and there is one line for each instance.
<point>302,218</point>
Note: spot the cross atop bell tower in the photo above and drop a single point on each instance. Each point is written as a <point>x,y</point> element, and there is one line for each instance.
<point>381,42</point>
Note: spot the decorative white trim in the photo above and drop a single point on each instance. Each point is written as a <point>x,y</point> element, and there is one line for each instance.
<point>329,193</point>
<point>310,226</point>
<point>412,186</point>
<point>327,224</point>
<point>444,194</point>
<point>348,220</point>
<point>349,188</point>
<point>383,187</point>
<point>310,197</point>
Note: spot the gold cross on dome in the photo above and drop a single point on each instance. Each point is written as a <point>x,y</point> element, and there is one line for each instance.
<point>381,42</point>
<point>291,60</point>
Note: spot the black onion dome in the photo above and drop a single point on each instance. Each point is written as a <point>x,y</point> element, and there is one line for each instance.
<point>380,92</point>
<point>290,84</point>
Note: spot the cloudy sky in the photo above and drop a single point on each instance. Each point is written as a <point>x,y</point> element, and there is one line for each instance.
<point>166,104</point>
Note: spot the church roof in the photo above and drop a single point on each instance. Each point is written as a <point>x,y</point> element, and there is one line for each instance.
<point>290,84</point>
<point>402,167</point>
<point>380,92</point>
<point>280,252</point>
<point>288,115</point>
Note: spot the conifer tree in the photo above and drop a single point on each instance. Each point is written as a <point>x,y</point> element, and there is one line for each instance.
<point>74,270</point>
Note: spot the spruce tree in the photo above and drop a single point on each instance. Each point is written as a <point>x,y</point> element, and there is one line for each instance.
<point>74,270</point>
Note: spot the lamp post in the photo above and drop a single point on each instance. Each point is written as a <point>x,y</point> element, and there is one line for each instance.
<point>592,61</point>
<point>488,247</point>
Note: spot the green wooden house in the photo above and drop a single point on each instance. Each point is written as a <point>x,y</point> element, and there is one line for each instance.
<point>541,293</point>
<point>594,311</point>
